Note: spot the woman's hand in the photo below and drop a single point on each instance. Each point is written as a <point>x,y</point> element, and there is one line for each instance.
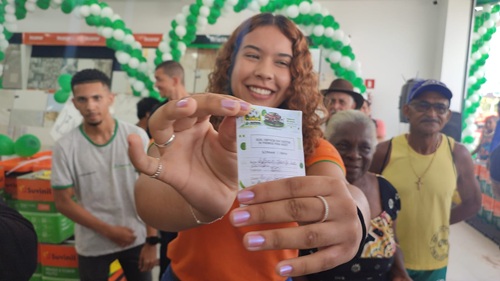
<point>200,163</point>
<point>294,200</point>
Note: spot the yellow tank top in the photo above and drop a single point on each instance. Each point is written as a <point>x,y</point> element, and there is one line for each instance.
<point>424,219</point>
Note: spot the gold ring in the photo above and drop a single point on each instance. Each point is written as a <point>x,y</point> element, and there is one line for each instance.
<point>327,209</point>
<point>158,170</point>
<point>171,139</point>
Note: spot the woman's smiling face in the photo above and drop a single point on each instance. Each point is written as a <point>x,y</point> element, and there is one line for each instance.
<point>261,73</point>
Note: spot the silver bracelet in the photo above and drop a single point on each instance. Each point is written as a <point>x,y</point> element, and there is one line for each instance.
<point>202,222</point>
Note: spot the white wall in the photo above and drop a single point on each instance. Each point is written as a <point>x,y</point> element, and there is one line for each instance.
<point>393,39</point>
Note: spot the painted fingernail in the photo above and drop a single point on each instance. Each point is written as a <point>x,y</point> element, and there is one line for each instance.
<point>245,196</point>
<point>244,105</point>
<point>255,241</point>
<point>285,270</point>
<point>240,217</point>
<point>231,104</point>
<point>182,103</point>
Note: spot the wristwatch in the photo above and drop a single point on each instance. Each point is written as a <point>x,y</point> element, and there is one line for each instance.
<point>152,240</point>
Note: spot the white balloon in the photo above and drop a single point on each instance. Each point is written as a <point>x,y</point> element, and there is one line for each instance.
<point>329,31</point>
<point>138,86</point>
<point>263,3</point>
<point>122,57</point>
<point>10,9</point>
<point>468,131</point>
<point>335,57</point>
<point>471,80</point>
<point>107,32</point>
<point>232,2</point>
<point>208,3</point>
<point>319,30</point>
<point>58,2</point>
<point>345,62</point>
<point>292,11</point>
<point>315,8</point>
<point>84,11</point>
<point>4,44</point>
<point>475,36</point>
<point>116,17</point>
<point>10,18</point>
<point>180,31</point>
<point>167,56</point>
<point>474,98</point>
<point>129,39</point>
<point>1,28</point>
<point>1,69</point>
<point>143,67</point>
<point>185,10</point>
<point>357,90</point>
<point>133,63</point>
<point>304,8</point>
<point>107,12</point>
<point>164,47</point>
<point>137,45</point>
<point>484,50</point>
<point>119,34</point>
<point>180,19</point>
<point>479,74</point>
<point>475,56</point>
<point>201,23</point>
<point>182,47</point>
<point>30,7</point>
<point>487,8</point>
<point>54,5</point>
<point>470,120</point>
<point>145,93</point>
<point>467,104</point>
<point>355,66</point>
<point>95,9</point>
<point>346,40</point>
<point>254,6</point>
<point>204,11</point>
<point>489,23</point>
<point>338,35</point>
<point>482,30</point>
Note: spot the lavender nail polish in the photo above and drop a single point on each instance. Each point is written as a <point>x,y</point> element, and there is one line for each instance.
<point>245,196</point>
<point>255,241</point>
<point>285,270</point>
<point>240,217</point>
<point>182,103</point>
<point>231,104</point>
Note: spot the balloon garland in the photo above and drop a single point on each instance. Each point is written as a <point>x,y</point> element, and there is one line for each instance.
<point>484,27</point>
<point>315,21</point>
<point>26,145</point>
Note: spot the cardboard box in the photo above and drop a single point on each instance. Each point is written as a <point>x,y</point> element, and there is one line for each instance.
<point>59,262</point>
<point>34,187</point>
<point>50,227</point>
<point>41,160</point>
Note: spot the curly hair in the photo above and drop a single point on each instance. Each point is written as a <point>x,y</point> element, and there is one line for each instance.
<point>302,94</point>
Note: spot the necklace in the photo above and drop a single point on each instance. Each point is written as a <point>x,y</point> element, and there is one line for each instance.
<point>419,181</point>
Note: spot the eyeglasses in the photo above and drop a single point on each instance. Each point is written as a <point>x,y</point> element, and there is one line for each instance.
<point>423,106</point>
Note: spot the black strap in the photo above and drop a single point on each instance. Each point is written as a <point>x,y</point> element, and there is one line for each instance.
<point>363,227</point>
<point>386,157</point>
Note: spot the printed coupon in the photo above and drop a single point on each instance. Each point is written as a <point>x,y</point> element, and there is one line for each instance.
<point>269,145</point>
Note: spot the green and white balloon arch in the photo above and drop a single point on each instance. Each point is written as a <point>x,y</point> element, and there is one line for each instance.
<point>315,21</point>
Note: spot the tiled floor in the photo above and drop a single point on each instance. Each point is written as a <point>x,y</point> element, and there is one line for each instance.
<point>473,257</point>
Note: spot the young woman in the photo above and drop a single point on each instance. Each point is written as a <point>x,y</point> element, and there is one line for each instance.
<point>192,183</point>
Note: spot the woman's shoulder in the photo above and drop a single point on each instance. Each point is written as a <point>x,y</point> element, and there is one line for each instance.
<point>389,197</point>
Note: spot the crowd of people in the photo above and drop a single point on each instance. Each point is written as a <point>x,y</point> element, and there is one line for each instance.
<point>367,208</point>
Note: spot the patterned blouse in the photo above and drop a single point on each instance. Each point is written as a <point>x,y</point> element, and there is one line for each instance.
<point>377,256</point>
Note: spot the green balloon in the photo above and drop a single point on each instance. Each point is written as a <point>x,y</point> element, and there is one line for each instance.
<point>64,81</point>
<point>27,145</point>
<point>61,96</point>
<point>6,145</point>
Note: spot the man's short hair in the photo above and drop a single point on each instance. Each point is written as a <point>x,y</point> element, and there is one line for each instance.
<point>90,75</point>
<point>146,105</point>
<point>172,69</point>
